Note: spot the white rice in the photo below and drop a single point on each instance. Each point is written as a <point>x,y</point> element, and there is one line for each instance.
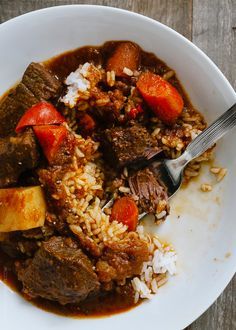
<point>155,272</point>
<point>128,72</point>
<point>79,84</point>
<point>164,262</point>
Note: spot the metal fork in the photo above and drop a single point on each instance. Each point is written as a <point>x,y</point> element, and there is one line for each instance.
<point>170,171</point>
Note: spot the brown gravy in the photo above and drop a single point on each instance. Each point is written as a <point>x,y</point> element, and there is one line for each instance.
<point>67,62</point>
<point>103,305</point>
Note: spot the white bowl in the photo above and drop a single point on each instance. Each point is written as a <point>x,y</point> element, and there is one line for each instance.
<point>205,234</point>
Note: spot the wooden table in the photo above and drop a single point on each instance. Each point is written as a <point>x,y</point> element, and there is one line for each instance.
<point>211,25</point>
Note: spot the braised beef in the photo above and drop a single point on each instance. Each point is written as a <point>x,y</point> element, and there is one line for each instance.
<point>57,206</point>
<point>38,83</point>
<point>11,248</point>
<point>16,246</point>
<point>17,249</point>
<point>59,271</point>
<point>51,180</point>
<point>38,233</point>
<point>147,187</point>
<point>17,154</point>
<point>108,114</point>
<point>55,222</point>
<point>123,259</point>
<point>123,146</point>
<point>25,97</point>
<point>41,82</point>
<point>11,110</point>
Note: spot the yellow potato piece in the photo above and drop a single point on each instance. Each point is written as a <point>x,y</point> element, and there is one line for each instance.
<point>21,208</point>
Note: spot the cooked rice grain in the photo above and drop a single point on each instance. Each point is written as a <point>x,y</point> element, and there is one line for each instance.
<point>162,262</point>
<point>128,72</point>
<point>205,187</point>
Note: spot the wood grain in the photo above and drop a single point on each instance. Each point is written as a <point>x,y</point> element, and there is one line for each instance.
<point>176,14</point>
<point>213,32</point>
<point>212,26</point>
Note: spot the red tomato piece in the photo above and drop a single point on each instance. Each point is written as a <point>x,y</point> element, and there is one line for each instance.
<point>134,112</point>
<point>50,138</point>
<point>161,96</point>
<point>42,113</point>
<point>126,211</point>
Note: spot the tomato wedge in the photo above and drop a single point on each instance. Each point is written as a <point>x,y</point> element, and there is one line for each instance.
<point>126,211</point>
<point>134,112</point>
<point>42,113</point>
<point>50,138</point>
<point>161,96</point>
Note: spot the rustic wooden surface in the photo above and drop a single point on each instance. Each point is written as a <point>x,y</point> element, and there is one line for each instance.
<point>211,25</point>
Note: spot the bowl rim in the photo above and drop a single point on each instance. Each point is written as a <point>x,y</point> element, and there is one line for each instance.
<point>124,11</point>
<point>18,19</point>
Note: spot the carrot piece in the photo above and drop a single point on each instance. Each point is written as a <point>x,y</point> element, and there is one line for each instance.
<point>50,138</point>
<point>126,55</point>
<point>126,211</point>
<point>161,96</point>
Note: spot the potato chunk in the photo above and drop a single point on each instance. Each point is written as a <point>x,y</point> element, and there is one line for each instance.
<point>21,208</point>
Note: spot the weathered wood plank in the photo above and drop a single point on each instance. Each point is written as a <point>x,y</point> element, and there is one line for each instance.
<point>213,32</point>
<point>222,314</point>
<point>174,13</point>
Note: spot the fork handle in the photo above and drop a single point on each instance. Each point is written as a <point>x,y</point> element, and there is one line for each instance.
<point>204,140</point>
<point>212,134</point>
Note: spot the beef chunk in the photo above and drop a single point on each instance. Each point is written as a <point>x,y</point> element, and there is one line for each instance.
<point>57,205</point>
<point>42,83</point>
<point>18,154</point>
<point>123,259</point>
<point>16,246</point>
<point>37,84</point>
<point>13,107</point>
<point>150,192</point>
<point>19,249</point>
<point>10,114</point>
<point>59,271</point>
<point>106,115</point>
<point>25,97</point>
<point>109,113</point>
<point>125,146</point>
